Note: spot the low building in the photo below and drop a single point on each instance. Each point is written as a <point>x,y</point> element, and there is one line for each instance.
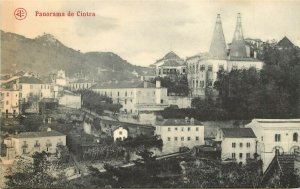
<point>27,143</point>
<point>80,84</point>
<point>176,133</point>
<point>237,144</point>
<point>70,99</point>
<point>275,137</point>
<point>120,134</point>
<point>135,96</point>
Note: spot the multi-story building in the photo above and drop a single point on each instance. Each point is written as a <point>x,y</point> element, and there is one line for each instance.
<point>10,100</point>
<point>237,144</point>
<point>34,87</point>
<point>135,96</point>
<point>203,68</point>
<point>31,142</point>
<point>170,65</point>
<point>176,133</point>
<point>274,137</point>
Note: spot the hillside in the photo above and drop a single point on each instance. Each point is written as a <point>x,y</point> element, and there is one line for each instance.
<point>45,54</point>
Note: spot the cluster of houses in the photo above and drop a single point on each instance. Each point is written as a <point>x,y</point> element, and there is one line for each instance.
<point>261,139</point>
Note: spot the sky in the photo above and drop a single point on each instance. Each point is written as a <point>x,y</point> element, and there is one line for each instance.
<point>143,31</point>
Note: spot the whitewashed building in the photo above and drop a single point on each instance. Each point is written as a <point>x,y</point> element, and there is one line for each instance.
<point>135,96</point>
<point>275,136</point>
<point>237,144</point>
<point>120,134</point>
<point>176,133</point>
<point>27,143</point>
<point>10,101</point>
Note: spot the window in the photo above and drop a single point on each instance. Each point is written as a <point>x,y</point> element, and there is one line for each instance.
<point>233,145</point>
<point>161,101</point>
<point>7,94</point>
<point>221,67</point>
<point>295,137</point>
<point>202,67</point>
<point>125,93</point>
<point>182,138</point>
<point>209,68</point>
<point>197,128</point>
<point>189,128</point>
<point>7,102</point>
<point>233,155</point>
<point>125,101</point>
<point>197,138</point>
<point>169,138</point>
<point>277,152</point>
<point>248,155</point>
<point>175,128</point>
<point>248,144</point>
<point>277,137</point>
<point>262,138</point>
<point>169,129</point>
<point>182,128</point>
<point>120,132</point>
<point>241,145</point>
<point>175,138</point>
<point>118,93</point>
<point>188,138</point>
<point>241,155</point>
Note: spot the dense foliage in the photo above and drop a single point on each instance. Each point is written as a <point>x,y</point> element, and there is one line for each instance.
<point>177,86</point>
<point>98,103</point>
<point>273,92</point>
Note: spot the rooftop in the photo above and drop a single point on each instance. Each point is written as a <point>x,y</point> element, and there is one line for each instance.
<point>38,134</point>
<point>123,84</point>
<point>276,123</point>
<point>30,80</point>
<point>238,133</point>
<point>178,122</point>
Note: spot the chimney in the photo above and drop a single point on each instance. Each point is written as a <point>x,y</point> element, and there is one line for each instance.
<point>145,84</point>
<point>158,84</point>
<point>218,45</point>
<point>192,121</point>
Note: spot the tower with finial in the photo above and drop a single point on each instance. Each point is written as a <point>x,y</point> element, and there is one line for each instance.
<point>218,44</point>
<point>238,45</point>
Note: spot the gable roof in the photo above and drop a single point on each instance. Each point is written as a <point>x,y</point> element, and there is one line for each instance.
<point>38,134</point>
<point>173,63</point>
<point>30,80</point>
<point>170,56</point>
<point>123,84</point>
<point>238,133</point>
<point>285,42</point>
<point>178,122</point>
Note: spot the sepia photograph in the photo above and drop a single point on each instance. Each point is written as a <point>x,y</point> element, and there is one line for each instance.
<point>149,94</point>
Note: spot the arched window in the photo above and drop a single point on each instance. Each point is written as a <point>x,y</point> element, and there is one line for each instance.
<point>295,137</point>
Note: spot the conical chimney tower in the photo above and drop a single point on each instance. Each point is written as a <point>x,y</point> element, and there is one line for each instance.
<point>218,44</point>
<point>238,45</point>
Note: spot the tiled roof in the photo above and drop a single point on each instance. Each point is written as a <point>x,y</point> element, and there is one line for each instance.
<point>174,122</point>
<point>238,133</point>
<point>30,80</point>
<point>277,123</point>
<point>38,134</point>
<point>169,56</point>
<point>286,164</point>
<point>285,42</point>
<point>173,63</point>
<point>248,59</point>
<point>123,84</point>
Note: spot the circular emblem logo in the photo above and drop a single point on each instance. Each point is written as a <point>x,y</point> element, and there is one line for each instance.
<point>20,14</point>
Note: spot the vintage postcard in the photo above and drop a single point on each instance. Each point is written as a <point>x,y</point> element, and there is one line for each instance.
<point>150,94</point>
